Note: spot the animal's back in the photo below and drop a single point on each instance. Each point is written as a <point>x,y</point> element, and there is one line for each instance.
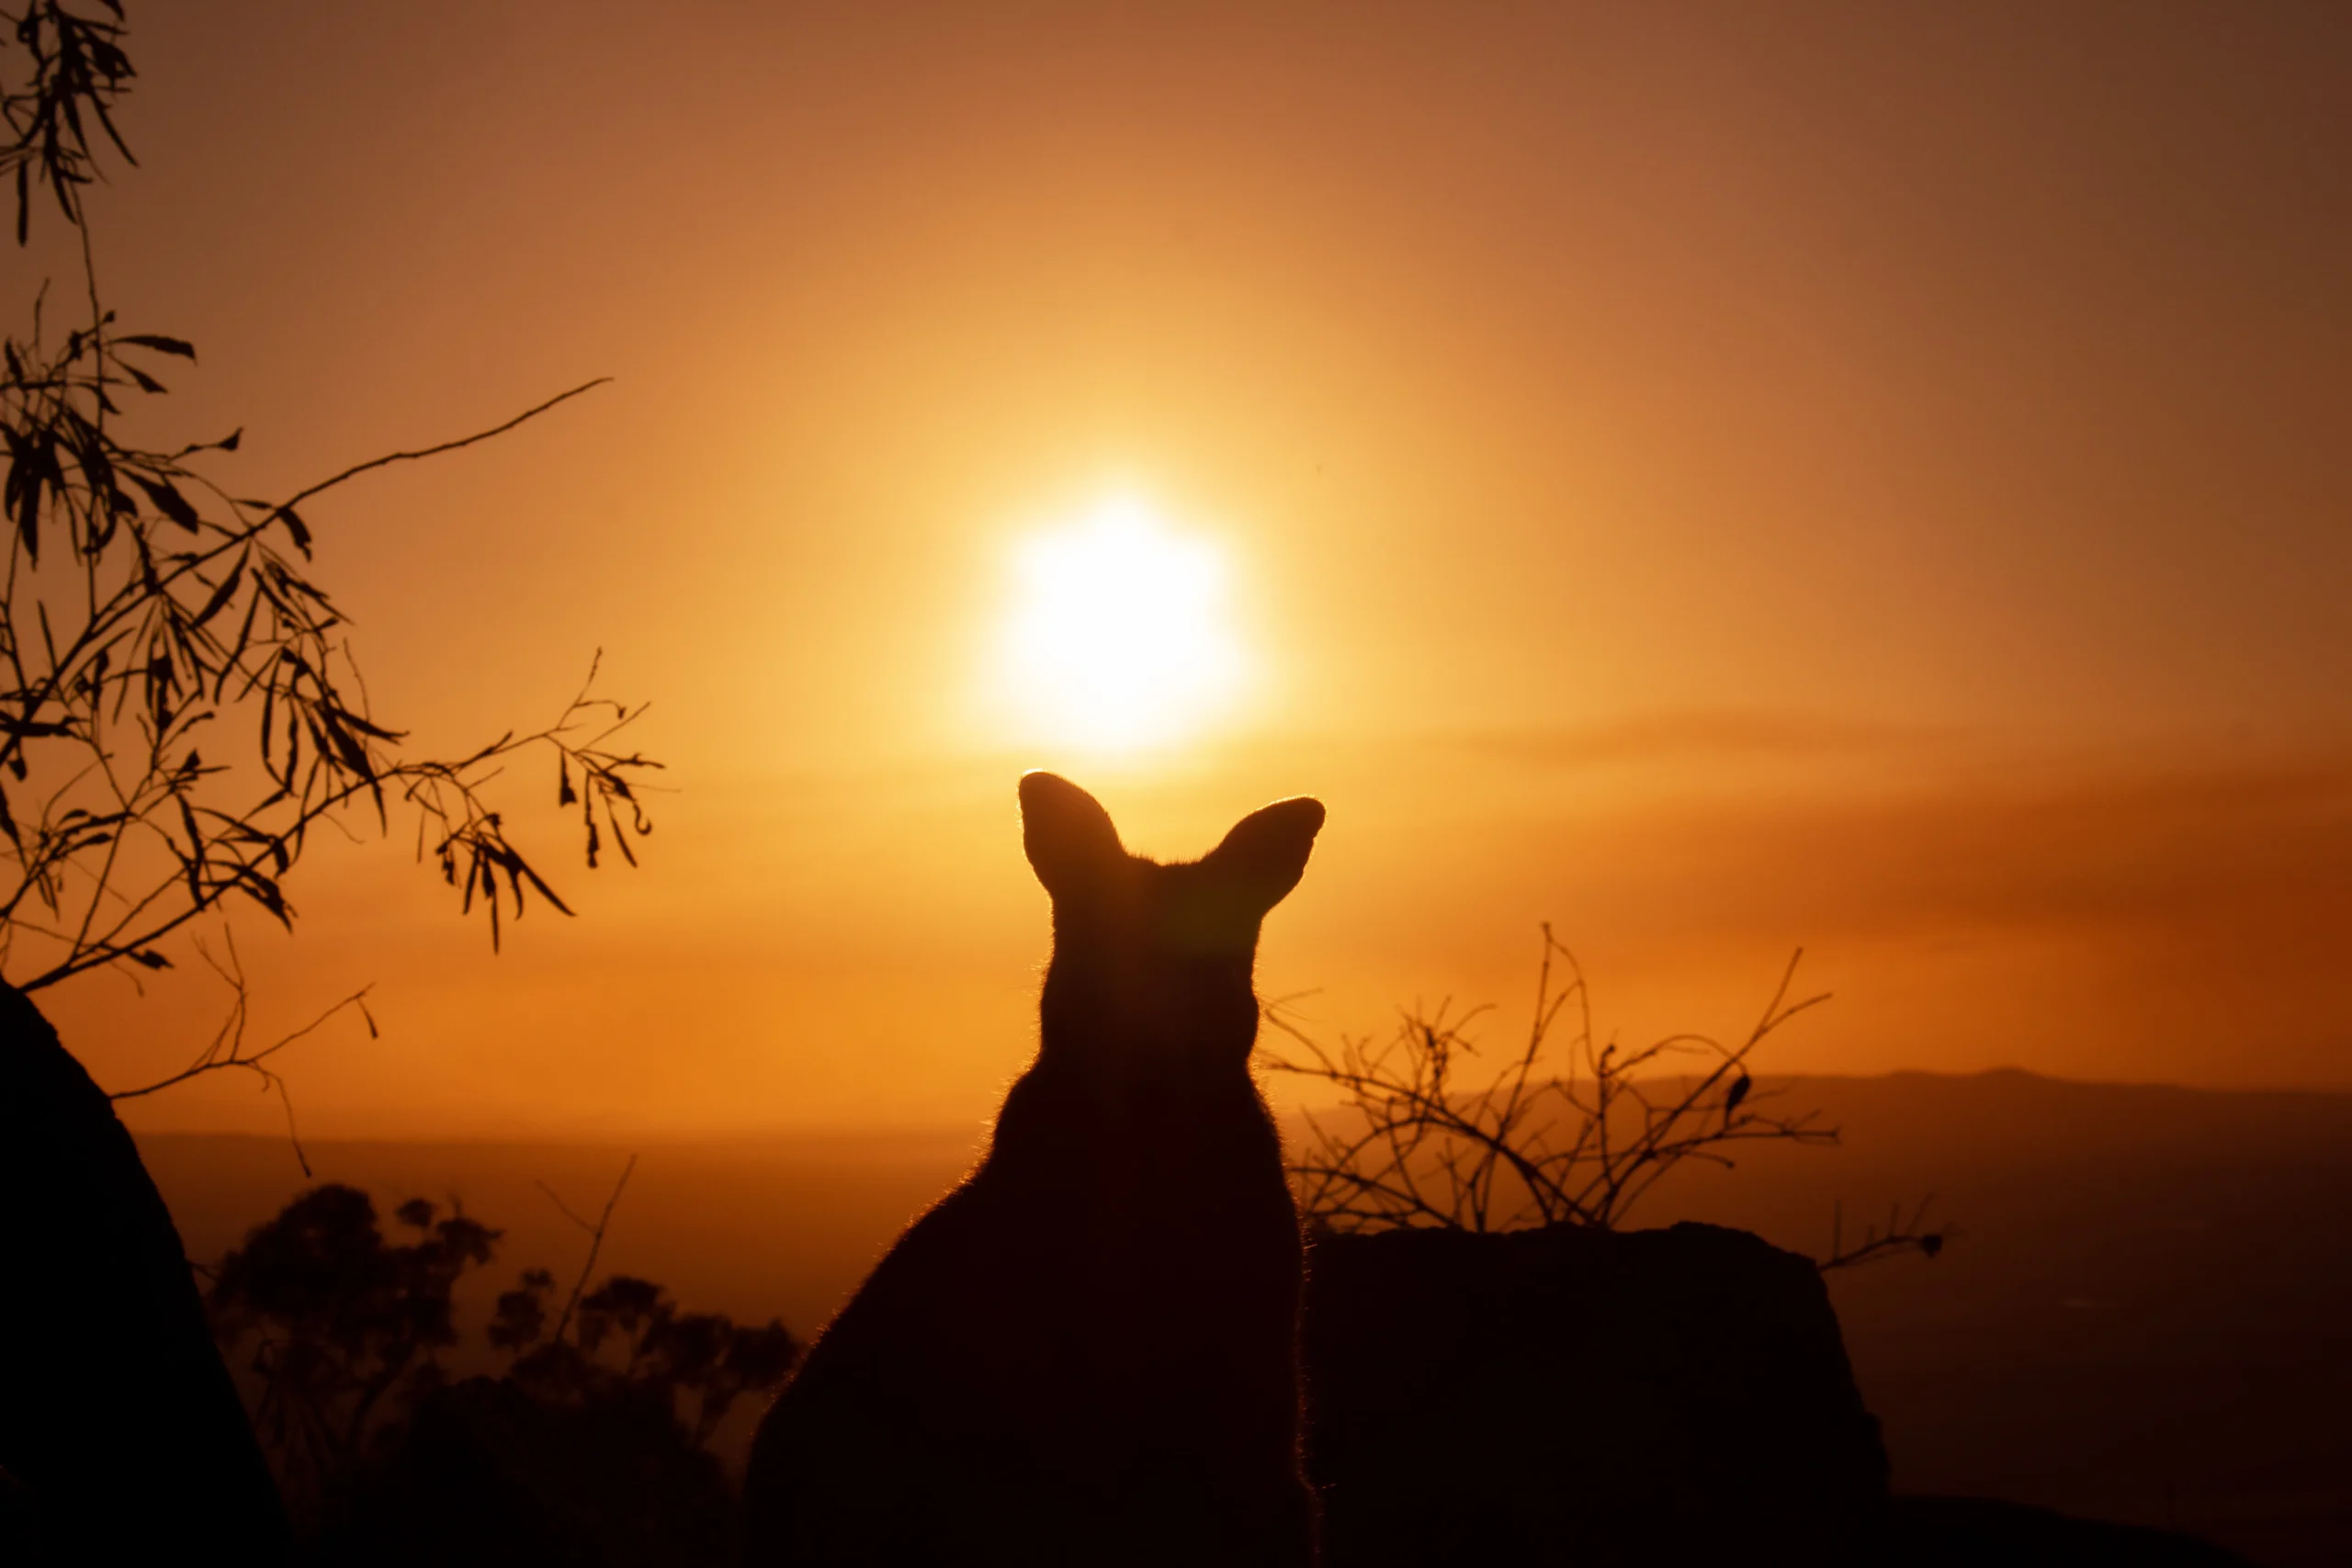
<point>1086,1353</point>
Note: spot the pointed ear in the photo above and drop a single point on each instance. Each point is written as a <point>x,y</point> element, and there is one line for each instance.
<point>1265,854</point>
<point>1068,835</point>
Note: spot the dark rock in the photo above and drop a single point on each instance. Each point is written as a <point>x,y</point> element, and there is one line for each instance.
<point>1977,1532</point>
<point>1573,1395</point>
<point>116,1412</point>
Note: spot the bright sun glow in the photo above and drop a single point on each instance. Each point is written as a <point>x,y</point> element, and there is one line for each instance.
<point>1119,635</point>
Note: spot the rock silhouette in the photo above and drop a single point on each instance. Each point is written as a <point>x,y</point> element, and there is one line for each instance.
<point>1086,1353</point>
<point>1569,1394</point>
<point>1978,1532</point>
<point>118,1419</point>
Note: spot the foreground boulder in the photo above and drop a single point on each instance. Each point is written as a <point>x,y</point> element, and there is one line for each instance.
<point>1575,1396</point>
<point>119,1423</point>
<point>1978,1532</point>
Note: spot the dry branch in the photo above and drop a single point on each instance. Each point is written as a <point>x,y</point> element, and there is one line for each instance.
<point>227,1051</point>
<point>595,1240</point>
<point>1535,1143</point>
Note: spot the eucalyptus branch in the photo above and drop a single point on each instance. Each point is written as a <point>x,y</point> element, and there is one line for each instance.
<point>179,706</point>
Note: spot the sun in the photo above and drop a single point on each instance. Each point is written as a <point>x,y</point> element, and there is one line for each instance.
<point>1120,635</point>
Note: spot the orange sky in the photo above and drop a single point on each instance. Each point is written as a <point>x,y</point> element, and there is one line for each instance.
<point>1718,477</point>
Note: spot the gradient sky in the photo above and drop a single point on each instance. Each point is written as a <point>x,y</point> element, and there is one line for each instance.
<point>1714,476</point>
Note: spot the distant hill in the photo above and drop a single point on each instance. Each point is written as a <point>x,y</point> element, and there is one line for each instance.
<point>2147,1317</point>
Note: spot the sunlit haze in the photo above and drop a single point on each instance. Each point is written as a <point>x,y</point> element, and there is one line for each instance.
<point>1717,478</point>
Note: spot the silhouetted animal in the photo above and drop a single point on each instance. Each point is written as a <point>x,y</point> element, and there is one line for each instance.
<point>1087,1352</point>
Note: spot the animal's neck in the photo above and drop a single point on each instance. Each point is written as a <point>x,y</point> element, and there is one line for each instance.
<point>1099,1072</point>
<point>1086,1113</point>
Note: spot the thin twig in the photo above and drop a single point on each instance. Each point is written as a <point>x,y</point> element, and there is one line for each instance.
<point>463,441</point>
<point>595,1242</point>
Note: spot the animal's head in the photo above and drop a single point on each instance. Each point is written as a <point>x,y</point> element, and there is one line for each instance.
<point>1152,962</point>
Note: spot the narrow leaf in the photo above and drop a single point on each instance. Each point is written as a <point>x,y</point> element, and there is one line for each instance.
<point>168,501</point>
<point>294,525</point>
<point>223,595</point>
<point>160,343</point>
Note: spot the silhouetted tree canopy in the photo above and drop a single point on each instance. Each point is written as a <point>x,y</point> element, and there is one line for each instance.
<point>593,1445</point>
<point>340,1319</point>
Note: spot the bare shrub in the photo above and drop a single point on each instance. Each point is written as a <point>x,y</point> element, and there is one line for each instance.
<point>1569,1129</point>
